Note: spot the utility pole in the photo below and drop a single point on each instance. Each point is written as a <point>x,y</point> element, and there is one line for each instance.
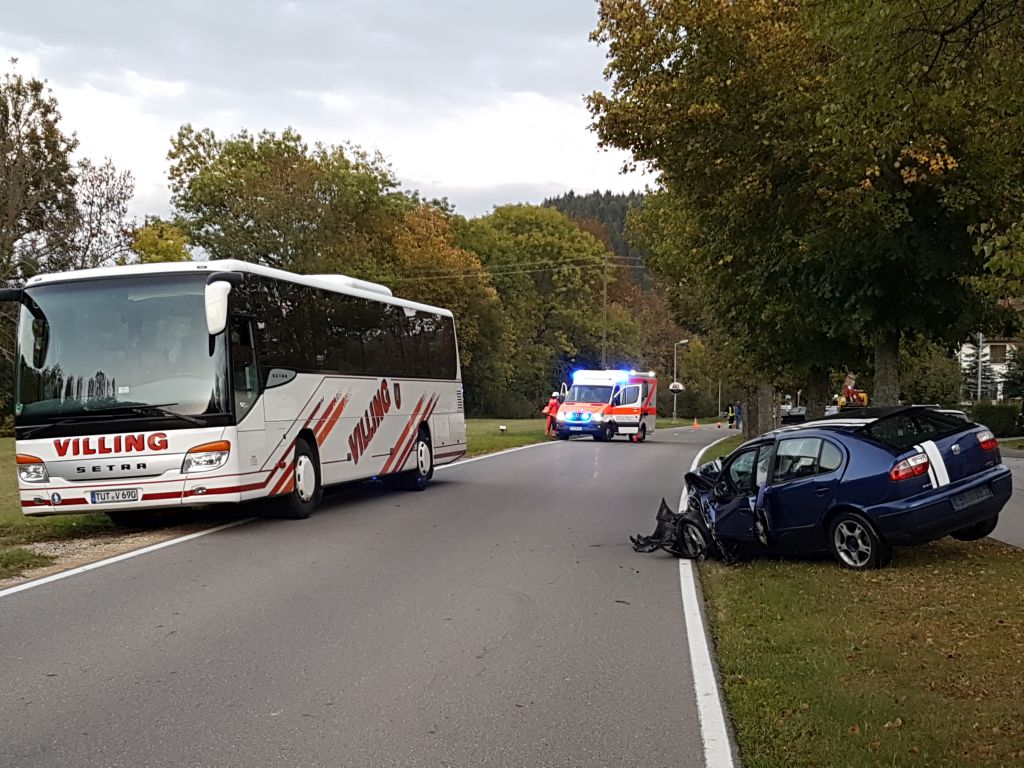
<point>604,322</point>
<point>981,341</point>
<point>675,373</point>
<point>719,414</point>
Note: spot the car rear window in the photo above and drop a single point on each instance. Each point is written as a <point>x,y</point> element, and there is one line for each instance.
<point>905,430</point>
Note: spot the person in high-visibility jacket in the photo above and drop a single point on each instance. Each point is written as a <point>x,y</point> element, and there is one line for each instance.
<point>551,410</point>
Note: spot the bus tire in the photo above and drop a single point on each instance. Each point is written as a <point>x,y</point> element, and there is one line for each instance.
<point>417,479</point>
<point>308,490</point>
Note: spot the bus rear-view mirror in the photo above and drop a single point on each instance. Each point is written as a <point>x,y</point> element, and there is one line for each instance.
<point>216,296</point>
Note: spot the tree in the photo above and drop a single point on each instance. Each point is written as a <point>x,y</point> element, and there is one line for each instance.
<point>1013,379</point>
<point>989,381</point>
<point>37,178</point>
<point>547,273</point>
<point>273,199</point>
<point>930,373</point>
<point>816,184</point>
<point>97,233</point>
<point>429,267</point>
<point>158,240</point>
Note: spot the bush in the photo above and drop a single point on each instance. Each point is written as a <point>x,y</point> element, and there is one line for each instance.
<point>1001,419</point>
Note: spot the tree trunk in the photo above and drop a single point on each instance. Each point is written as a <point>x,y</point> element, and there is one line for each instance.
<point>758,416</point>
<point>818,395</point>
<point>887,375</point>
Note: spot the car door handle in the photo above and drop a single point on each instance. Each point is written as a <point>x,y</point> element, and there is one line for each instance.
<point>822,491</point>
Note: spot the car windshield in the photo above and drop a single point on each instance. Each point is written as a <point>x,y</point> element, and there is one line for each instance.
<point>113,344</point>
<point>589,393</point>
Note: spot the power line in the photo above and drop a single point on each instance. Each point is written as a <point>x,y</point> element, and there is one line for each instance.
<point>486,273</point>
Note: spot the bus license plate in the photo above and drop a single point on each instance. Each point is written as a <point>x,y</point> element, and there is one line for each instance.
<point>115,497</point>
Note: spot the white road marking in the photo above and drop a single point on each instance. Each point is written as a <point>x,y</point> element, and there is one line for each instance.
<point>462,462</point>
<point>713,729</point>
<point>119,558</point>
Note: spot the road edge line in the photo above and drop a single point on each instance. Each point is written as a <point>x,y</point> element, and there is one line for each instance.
<point>471,459</point>
<point>118,558</point>
<point>715,733</point>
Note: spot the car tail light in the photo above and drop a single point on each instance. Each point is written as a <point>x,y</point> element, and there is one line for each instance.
<point>915,466</point>
<point>987,440</point>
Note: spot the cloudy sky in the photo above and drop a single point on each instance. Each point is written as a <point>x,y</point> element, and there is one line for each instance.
<point>475,100</point>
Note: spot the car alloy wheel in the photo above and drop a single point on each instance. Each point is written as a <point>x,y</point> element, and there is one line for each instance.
<point>853,543</point>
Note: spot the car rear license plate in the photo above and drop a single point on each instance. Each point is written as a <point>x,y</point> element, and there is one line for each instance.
<point>575,429</point>
<point>115,497</point>
<point>971,497</point>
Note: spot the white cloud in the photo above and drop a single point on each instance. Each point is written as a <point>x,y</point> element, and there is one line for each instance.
<point>476,116</point>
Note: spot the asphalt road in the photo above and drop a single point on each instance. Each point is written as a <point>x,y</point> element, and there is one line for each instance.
<point>1011,520</point>
<point>498,619</point>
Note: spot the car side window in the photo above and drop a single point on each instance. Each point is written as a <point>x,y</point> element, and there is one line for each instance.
<point>797,457</point>
<point>741,472</point>
<point>831,457</point>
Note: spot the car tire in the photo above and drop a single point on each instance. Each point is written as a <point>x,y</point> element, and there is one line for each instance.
<point>977,531</point>
<point>853,541</point>
<point>417,479</point>
<point>308,487</point>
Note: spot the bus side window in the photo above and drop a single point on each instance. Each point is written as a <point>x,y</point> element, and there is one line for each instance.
<point>244,373</point>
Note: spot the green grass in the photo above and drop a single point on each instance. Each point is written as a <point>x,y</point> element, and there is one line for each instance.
<point>1016,444</point>
<point>919,664</point>
<point>16,528</point>
<point>485,437</point>
<point>723,448</point>
<point>15,560</point>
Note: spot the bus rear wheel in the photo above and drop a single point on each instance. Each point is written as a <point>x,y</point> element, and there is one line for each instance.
<point>308,490</point>
<point>417,479</point>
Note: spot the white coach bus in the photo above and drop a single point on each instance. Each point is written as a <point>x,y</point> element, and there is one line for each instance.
<point>164,385</point>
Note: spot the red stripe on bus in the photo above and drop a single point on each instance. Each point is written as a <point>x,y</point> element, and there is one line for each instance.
<point>427,413</point>
<point>333,422</point>
<point>389,464</point>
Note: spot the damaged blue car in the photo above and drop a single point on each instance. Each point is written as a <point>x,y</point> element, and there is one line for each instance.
<point>852,487</point>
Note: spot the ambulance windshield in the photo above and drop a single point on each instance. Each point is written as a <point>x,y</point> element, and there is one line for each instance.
<point>589,393</point>
<point>111,345</point>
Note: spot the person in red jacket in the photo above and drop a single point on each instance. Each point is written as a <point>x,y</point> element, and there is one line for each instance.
<point>551,410</point>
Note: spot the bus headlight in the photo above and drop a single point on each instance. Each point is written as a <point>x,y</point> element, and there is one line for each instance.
<point>206,457</point>
<point>31,469</point>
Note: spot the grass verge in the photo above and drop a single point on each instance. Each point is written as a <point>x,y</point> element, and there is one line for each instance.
<point>16,528</point>
<point>15,560</point>
<point>484,435</point>
<point>919,664</point>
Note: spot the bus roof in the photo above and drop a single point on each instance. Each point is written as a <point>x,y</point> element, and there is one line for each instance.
<point>335,283</point>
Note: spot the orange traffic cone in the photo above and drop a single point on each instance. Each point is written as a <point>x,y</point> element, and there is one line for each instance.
<point>695,424</point>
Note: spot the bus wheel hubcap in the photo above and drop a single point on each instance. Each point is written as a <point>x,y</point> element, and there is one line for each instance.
<point>423,458</point>
<point>305,478</point>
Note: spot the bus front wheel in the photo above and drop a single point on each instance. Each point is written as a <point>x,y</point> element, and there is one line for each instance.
<point>308,490</point>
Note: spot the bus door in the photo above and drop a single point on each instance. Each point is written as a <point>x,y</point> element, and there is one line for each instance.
<point>254,442</point>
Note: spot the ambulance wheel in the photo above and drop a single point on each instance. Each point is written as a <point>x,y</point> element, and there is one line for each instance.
<point>308,490</point>
<point>642,434</point>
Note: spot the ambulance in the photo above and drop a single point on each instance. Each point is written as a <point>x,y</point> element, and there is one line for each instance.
<point>604,404</point>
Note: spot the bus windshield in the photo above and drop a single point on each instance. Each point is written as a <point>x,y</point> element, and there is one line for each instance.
<point>112,344</point>
<point>589,393</point>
